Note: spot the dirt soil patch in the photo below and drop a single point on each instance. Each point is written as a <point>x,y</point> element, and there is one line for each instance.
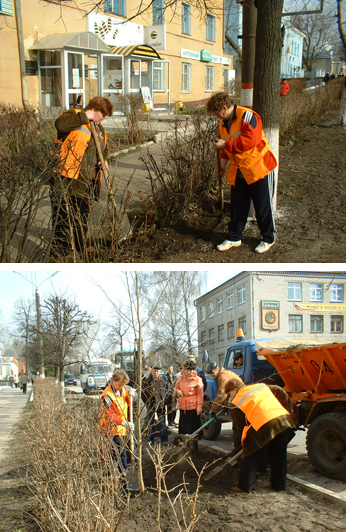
<point>310,222</point>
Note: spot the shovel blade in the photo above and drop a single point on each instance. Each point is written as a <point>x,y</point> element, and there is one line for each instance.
<point>132,480</point>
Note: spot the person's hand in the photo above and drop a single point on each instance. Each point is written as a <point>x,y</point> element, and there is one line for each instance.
<point>104,166</point>
<point>132,392</point>
<point>213,415</point>
<point>179,393</point>
<point>199,412</point>
<point>219,145</point>
<point>128,425</point>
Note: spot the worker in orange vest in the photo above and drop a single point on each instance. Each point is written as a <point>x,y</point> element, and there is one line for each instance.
<point>261,414</point>
<point>284,87</point>
<point>78,181</point>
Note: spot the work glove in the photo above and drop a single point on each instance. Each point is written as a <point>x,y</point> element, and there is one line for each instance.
<point>128,425</point>
<point>213,415</point>
<point>132,392</point>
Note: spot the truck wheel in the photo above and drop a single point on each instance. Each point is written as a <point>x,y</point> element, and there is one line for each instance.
<point>326,445</point>
<point>212,431</point>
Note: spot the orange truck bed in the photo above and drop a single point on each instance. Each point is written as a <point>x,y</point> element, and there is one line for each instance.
<point>320,369</point>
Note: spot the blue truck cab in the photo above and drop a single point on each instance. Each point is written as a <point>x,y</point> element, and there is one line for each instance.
<point>254,368</point>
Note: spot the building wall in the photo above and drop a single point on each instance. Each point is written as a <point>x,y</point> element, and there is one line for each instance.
<point>271,290</point>
<point>45,18</point>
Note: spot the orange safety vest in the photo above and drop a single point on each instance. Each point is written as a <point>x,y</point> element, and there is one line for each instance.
<point>73,149</point>
<point>259,405</point>
<point>108,424</point>
<point>253,163</point>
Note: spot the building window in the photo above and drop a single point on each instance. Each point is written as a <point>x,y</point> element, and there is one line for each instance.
<point>316,323</point>
<point>186,77</point>
<point>241,294</point>
<point>158,11</point>
<point>230,329</point>
<point>316,292</point>
<point>337,292</point>
<point>211,336</point>
<point>118,7</point>
<point>186,20</point>
<point>210,28</point>
<point>221,333</point>
<point>219,305</point>
<point>210,309</point>
<point>337,324</point>
<point>242,324</point>
<point>158,76</point>
<point>295,323</point>
<point>202,313</point>
<point>294,291</point>
<point>230,299</point>
<point>203,337</point>
<point>209,78</point>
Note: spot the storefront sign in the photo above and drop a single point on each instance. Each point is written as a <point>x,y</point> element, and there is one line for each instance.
<point>147,101</point>
<point>155,36</point>
<point>270,315</point>
<point>221,60</point>
<point>114,31</point>
<point>190,54</point>
<point>206,55</point>
<point>319,307</point>
<point>75,78</point>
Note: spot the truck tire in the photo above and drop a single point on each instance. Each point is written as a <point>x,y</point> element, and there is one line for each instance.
<point>326,445</point>
<point>212,431</point>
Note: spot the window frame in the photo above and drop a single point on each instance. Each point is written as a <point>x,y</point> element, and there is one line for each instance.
<point>242,324</point>
<point>241,290</point>
<point>230,300</point>
<point>295,318</point>
<point>158,12</point>
<point>221,333</point>
<point>230,327</point>
<point>316,318</point>
<point>295,298</point>
<point>113,10</point>
<point>211,87</point>
<point>335,318</point>
<point>211,309</point>
<point>186,19</point>
<point>313,290</point>
<point>188,74</point>
<point>210,24</point>
<point>332,290</point>
<point>219,305</point>
<point>202,313</point>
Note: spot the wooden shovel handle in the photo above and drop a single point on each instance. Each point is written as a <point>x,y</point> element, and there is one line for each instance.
<point>218,155</point>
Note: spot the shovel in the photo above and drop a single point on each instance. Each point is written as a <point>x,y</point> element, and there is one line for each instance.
<point>125,224</point>
<point>132,477</point>
<point>194,434</point>
<point>232,460</point>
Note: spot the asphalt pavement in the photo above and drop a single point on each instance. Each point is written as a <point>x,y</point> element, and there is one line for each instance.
<point>300,471</point>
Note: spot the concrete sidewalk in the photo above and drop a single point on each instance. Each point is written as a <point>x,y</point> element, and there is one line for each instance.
<point>12,403</point>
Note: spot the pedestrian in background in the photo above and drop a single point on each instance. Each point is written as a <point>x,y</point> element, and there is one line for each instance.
<point>284,87</point>
<point>115,413</point>
<point>15,380</point>
<point>79,180</point>
<point>190,393</point>
<point>251,170</point>
<point>24,382</point>
<point>11,381</point>
<point>156,394</point>
<point>261,415</point>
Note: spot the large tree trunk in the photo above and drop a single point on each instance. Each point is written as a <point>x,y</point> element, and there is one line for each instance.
<point>266,101</point>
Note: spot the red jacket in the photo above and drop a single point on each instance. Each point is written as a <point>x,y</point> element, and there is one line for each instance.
<point>284,88</point>
<point>193,392</point>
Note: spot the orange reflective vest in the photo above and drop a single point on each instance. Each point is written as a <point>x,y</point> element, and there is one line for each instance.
<point>73,149</point>
<point>259,405</point>
<point>254,163</point>
<point>112,418</point>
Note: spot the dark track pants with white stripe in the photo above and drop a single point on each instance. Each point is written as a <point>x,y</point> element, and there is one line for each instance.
<point>261,193</point>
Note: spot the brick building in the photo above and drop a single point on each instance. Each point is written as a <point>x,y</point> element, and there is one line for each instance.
<point>271,304</point>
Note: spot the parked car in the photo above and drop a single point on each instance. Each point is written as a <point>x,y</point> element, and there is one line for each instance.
<point>70,380</point>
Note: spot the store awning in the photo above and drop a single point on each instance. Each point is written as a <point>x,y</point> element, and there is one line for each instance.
<point>141,50</point>
<point>86,41</point>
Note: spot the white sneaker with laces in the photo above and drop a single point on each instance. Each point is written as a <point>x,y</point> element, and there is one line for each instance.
<point>263,247</point>
<point>227,244</point>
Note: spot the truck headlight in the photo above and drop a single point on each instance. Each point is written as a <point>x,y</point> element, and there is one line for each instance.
<point>91,381</point>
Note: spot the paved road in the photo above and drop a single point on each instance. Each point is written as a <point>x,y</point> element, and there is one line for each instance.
<point>13,401</point>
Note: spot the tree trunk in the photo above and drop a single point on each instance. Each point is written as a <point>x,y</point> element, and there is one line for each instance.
<point>266,101</point>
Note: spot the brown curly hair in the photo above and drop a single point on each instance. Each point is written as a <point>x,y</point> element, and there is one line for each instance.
<point>217,101</point>
<point>103,105</point>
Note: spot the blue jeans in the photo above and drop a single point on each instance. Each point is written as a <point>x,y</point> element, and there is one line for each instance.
<point>161,423</point>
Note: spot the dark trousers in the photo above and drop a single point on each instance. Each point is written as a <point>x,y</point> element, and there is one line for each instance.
<point>261,193</point>
<point>161,424</point>
<point>24,387</point>
<point>122,453</point>
<point>70,218</point>
<point>277,457</point>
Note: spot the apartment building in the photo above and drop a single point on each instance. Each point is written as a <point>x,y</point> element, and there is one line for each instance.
<point>58,54</point>
<point>271,305</point>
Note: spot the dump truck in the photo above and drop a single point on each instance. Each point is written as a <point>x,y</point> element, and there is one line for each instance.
<point>315,379</point>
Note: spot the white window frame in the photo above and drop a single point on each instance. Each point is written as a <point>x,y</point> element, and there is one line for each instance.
<point>210,24</point>
<point>209,78</point>
<point>315,320</point>
<point>241,294</point>
<point>211,309</point>
<point>186,78</point>
<point>293,319</point>
<point>202,313</point>
<point>219,305</point>
<point>295,287</point>
<point>230,299</point>
<point>335,289</point>
<point>186,19</point>
<point>316,292</point>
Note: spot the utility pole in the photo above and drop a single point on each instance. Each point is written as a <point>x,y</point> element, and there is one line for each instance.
<point>39,330</point>
<point>248,52</point>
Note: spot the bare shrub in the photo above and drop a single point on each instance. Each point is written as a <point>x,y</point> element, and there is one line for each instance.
<point>131,106</point>
<point>182,178</point>
<point>301,107</point>
<point>74,479</point>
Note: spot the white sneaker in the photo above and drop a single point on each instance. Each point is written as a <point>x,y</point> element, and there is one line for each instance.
<point>263,247</point>
<point>227,244</point>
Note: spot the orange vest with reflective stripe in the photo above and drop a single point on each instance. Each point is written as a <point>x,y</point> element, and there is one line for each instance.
<point>259,405</point>
<point>251,163</point>
<point>73,149</point>
<point>108,425</point>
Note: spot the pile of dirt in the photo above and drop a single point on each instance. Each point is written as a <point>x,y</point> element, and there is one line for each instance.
<point>311,196</point>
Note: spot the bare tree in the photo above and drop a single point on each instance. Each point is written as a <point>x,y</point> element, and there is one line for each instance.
<point>342,113</point>
<point>119,326</point>
<point>24,320</point>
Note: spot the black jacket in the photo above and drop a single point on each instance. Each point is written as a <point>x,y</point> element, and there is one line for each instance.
<point>156,394</point>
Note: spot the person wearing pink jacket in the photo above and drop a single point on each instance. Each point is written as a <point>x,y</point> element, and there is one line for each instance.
<point>190,392</point>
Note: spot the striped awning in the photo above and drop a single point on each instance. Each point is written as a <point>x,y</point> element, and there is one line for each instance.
<point>141,50</point>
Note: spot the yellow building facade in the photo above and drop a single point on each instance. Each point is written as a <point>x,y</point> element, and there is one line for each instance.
<point>58,54</point>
